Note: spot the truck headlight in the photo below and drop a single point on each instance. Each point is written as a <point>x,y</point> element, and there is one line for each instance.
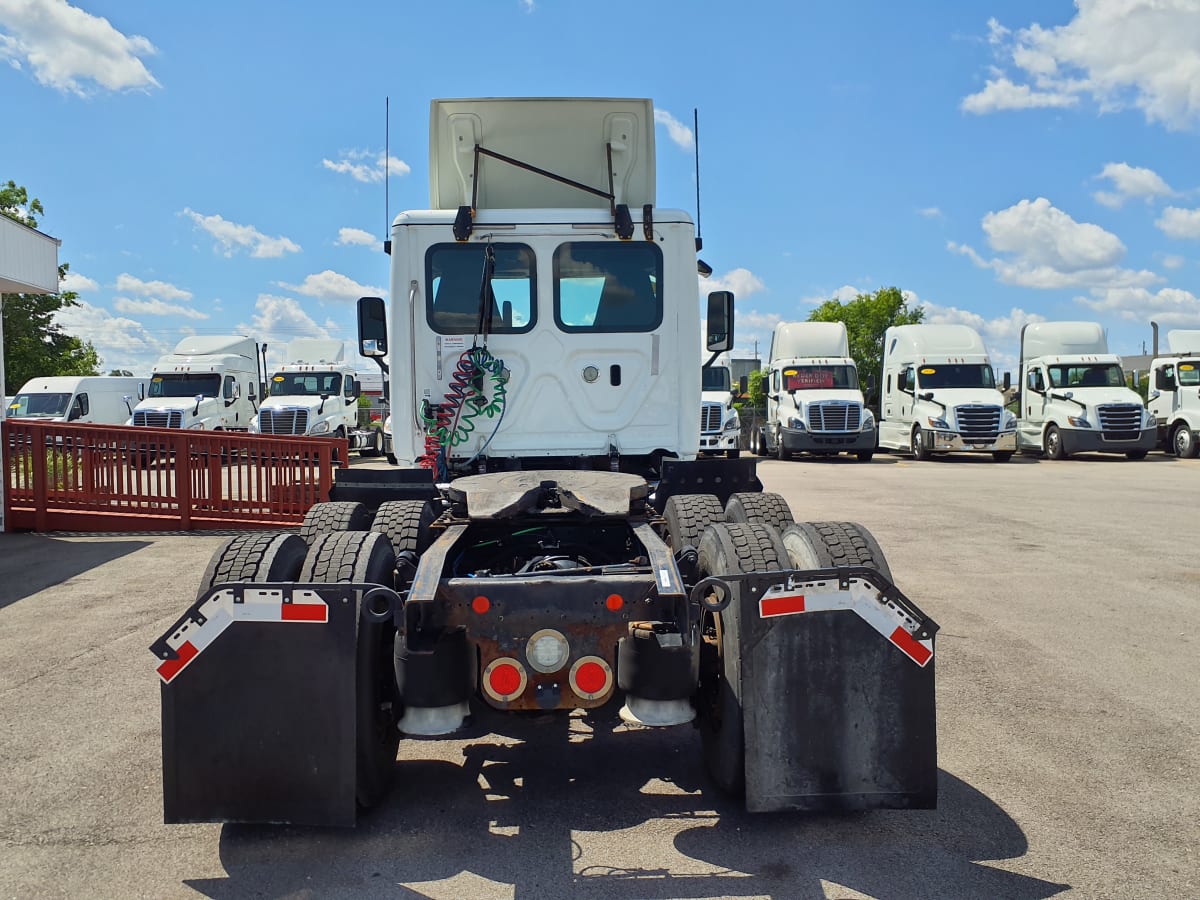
<point>795,424</point>
<point>196,426</point>
<point>868,421</point>
<point>733,424</point>
<point>1150,422</point>
<point>253,426</point>
<point>1010,422</point>
<point>938,422</point>
<point>321,427</point>
<point>1079,421</point>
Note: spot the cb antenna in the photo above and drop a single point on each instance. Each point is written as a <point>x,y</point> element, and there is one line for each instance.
<point>387,203</point>
<point>696,135</point>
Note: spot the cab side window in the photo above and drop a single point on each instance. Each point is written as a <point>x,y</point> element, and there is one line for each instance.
<point>79,408</point>
<point>227,391</point>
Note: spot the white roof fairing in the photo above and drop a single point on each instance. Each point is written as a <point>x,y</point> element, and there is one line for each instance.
<point>566,136</point>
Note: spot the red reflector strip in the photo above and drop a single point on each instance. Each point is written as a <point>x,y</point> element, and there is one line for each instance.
<point>172,667</point>
<point>781,606</point>
<point>912,648</point>
<point>304,612</point>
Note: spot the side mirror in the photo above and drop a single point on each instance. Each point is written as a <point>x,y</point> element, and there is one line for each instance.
<point>357,388</point>
<point>141,392</point>
<point>1007,380</point>
<point>720,321</point>
<point>902,382</point>
<point>870,384</point>
<point>744,385</point>
<point>372,327</point>
<point>928,395</point>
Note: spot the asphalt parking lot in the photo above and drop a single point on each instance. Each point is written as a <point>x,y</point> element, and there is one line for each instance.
<point>1069,725</point>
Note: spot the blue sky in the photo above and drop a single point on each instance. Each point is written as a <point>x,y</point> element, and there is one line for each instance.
<point>216,167</point>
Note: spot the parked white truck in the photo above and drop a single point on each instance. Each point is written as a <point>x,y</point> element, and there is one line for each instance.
<point>720,425</point>
<point>549,541</point>
<point>80,399</point>
<point>210,382</point>
<point>1174,398</point>
<point>939,394</point>
<point>1073,397</point>
<point>814,403</point>
<point>315,393</point>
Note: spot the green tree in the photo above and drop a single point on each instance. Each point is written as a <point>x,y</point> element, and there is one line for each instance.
<point>867,317</point>
<point>756,389</point>
<point>34,345</point>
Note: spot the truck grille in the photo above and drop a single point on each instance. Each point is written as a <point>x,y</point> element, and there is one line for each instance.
<point>283,421</point>
<point>1120,421</point>
<point>978,424</point>
<point>172,418</point>
<point>711,416</point>
<point>834,415</point>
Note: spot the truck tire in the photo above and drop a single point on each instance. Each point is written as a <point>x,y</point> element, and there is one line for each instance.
<point>342,515</point>
<point>1002,455</point>
<point>365,557</point>
<point>920,452</point>
<point>374,444</point>
<point>1135,454</point>
<point>759,509</point>
<point>728,549</point>
<point>405,523</point>
<point>865,455</point>
<point>255,557</point>
<point>1054,444</point>
<point>1184,443</point>
<point>687,516</point>
<point>781,452</point>
<point>753,440</point>
<point>826,545</point>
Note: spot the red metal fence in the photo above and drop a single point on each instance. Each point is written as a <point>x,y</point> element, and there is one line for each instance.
<point>108,478</point>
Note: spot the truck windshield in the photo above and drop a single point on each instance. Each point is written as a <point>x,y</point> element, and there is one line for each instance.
<point>1188,372</point>
<point>180,384</point>
<point>1105,375</point>
<point>714,378</point>
<point>810,378</point>
<point>34,406</point>
<point>305,384</point>
<point>956,375</point>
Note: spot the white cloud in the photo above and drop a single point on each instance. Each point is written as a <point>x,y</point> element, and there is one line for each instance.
<point>356,237</point>
<point>742,282</point>
<point>277,320</point>
<point>367,166</point>
<point>930,212</point>
<point>231,237</point>
<point>1001,94</point>
<point>330,285</point>
<point>1046,248</point>
<point>1131,182</point>
<point>73,281</point>
<point>1168,306</point>
<point>1179,223</point>
<point>121,343</point>
<point>155,307</point>
<point>676,130</point>
<point>128,284</point>
<point>1118,53</point>
<point>528,5</point>
<point>1173,262</point>
<point>71,50</point>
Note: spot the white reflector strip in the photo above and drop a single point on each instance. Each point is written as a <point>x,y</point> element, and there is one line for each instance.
<point>220,612</point>
<point>861,598</point>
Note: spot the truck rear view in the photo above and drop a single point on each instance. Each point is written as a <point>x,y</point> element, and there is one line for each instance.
<point>549,541</point>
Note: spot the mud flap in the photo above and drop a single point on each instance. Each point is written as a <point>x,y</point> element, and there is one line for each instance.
<point>837,671</point>
<point>258,706</point>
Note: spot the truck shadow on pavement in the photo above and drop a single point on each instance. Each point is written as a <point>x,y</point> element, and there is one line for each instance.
<point>56,561</point>
<point>550,808</point>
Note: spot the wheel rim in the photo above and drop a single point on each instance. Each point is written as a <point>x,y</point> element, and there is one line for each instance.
<point>1181,442</point>
<point>1052,443</point>
<point>918,443</point>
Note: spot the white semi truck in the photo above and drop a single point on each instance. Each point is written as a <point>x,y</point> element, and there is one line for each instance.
<point>315,393</point>
<point>550,541</point>
<point>79,399</point>
<point>720,425</point>
<point>939,394</point>
<point>814,403</point>
<point>210,382</point>
<point>1073,397</point>
<point>1174,398</point>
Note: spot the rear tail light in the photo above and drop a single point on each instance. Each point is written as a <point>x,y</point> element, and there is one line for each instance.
<point>504,679</point>
<point>591,677</point>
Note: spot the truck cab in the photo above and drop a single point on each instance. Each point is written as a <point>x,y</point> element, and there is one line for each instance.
<point>209,382</point>
<point>1174,399</point>
<point>720,425</point>
<point>939,394</point>
<point>1073,396</point>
